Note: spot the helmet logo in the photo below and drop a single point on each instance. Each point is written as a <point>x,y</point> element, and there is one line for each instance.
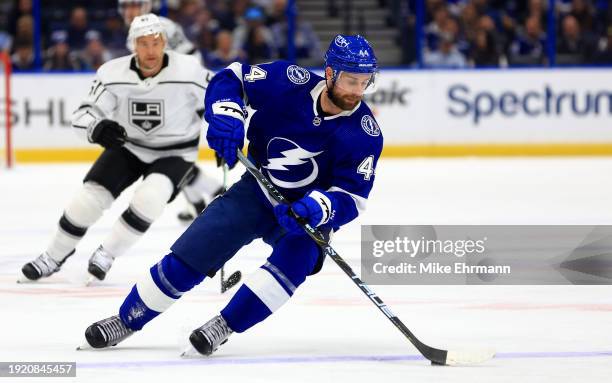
<point>363,53</point>
<point>341,41</point>
<point>370,126</point>
<point>297,74</point>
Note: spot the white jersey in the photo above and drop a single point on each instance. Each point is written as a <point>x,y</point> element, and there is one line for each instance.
<point>162,115</point>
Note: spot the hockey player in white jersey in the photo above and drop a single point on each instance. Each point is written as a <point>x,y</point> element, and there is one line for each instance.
<point>199,185</point>
<point>177,41</point>
<point>145,110</point>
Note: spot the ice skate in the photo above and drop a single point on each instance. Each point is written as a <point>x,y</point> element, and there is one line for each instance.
<point>100,263</point>
<point>107,332</point>
<point>210,336</point>
<point>42,266</point>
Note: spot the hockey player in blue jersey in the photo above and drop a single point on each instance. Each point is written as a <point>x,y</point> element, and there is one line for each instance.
<point>316,140</point>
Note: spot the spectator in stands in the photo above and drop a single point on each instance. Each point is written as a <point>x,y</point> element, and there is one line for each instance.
<point>276,13</point>
<point>451,26</point>
<point>469,21</point>
<point>23,57</point>
<point>114,36</point>
<point>433,29</point>
<point>77,28</point>
<point>528,46</point>
<point>204,31</point>
<point>484,50</point>
<point>584,13</point>
<point>253,37</point>
<point>225,54</point>
<point>535,8</point>
<point>23,8</point>
<point>446,56</point>
<point>95,53</point>
<point>239,8</point>
<point>25,28</point>
<point>604,52</point>
<point>188,17</point>
<point>222,12</point>
<point>59,56</point>
<point>307,45</point>
<point>573,47</point>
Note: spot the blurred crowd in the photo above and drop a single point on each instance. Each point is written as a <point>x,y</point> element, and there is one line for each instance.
<point>491,33</point>
<point>82,35</point>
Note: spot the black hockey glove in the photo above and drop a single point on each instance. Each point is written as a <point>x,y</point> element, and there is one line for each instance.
<point>221,161</point>
<point>109,134</point>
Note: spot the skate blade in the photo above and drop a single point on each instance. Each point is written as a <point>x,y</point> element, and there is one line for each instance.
<point>189,352</point>
<point>84,346</point>
<point>91,281</point>
<point>24,280</point>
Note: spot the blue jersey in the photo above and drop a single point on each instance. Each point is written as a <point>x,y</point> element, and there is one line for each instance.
<point>297,148</point>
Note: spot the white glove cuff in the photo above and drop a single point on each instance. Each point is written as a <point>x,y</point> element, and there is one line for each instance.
<point>228,108</point>
<point>325,205</point>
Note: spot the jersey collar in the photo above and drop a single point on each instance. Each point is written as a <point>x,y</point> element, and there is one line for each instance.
<point>134,66</point>
<point>316,93</point>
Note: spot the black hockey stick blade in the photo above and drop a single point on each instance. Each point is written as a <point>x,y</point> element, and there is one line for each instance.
<point>436,356</point>
<point>231,281</point>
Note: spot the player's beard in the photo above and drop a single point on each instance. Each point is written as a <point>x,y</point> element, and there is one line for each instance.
<point>345,102</point>
<point>151,65</point>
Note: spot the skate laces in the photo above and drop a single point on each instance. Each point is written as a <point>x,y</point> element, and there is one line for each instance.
<point>216,331</point>
<point>113,329</point>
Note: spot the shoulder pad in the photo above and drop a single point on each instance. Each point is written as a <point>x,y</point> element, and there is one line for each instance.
<point>114,70</point>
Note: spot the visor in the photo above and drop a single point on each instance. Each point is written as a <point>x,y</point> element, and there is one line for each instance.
<point>362,83</point>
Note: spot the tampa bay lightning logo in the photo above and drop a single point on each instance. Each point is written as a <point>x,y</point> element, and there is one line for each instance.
<point>290,166</point>
<point>370,126</point>
<point>298,75</point>
<point>341,41</point>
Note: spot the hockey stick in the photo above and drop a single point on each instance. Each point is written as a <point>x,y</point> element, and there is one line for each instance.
<point>235,277</point>
<point>436,356</point>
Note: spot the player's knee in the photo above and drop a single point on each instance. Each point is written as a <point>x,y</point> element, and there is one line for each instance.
<point>151,197</point>
<point>175,276</point>
<point>296,256</point>
<point>88,205</point>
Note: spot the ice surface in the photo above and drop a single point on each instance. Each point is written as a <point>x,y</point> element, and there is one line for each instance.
<point>328,332</point>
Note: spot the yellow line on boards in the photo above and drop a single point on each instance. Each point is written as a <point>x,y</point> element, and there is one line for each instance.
<point>389,151</point>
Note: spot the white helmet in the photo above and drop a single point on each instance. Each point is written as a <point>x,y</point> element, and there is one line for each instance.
<point>145,5</point>
<point>144,25</point>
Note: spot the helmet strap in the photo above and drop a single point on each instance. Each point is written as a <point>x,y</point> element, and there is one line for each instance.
<point>330,93</point>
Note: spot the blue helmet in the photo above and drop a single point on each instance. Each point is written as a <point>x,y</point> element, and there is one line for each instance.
<point>351,54</point>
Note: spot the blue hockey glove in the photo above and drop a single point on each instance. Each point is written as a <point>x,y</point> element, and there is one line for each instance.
<point>315,208</point>
<point>225,133</point>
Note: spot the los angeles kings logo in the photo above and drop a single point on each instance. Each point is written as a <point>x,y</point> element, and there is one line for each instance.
<point>146,115</point>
